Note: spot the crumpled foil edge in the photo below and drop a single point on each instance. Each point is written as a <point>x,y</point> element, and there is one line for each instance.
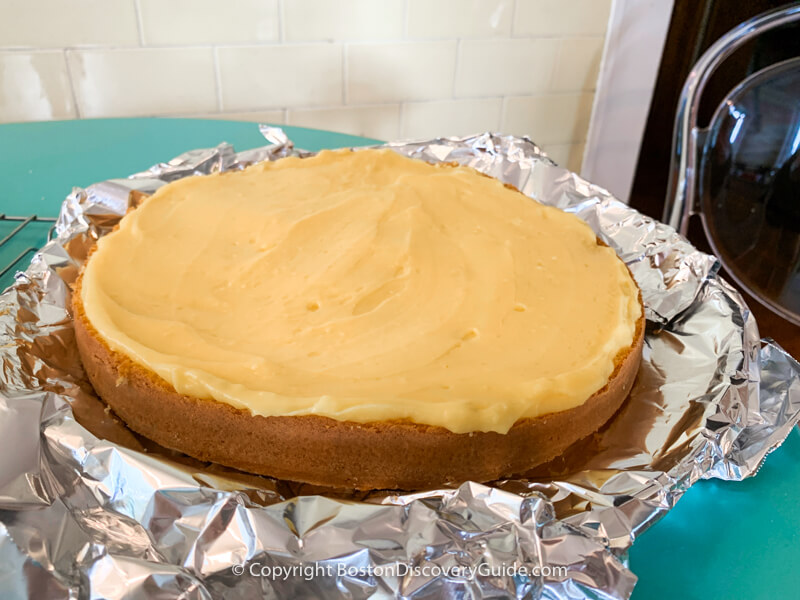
<point>79,514</point>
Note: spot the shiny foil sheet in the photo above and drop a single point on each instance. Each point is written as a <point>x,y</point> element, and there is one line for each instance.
<point>90,510</point>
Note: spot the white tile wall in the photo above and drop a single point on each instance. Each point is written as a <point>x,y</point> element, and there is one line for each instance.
<point>577,65</point>
<point>115,83</point>
<point>34,86</point>
<point>406,71</point>
<point>377,121</point>
<point>378,68</point>
<point>342,20</point>
<point>182,22</point>
<point>252,77</point>
<point>273,117</point>
<point>56,23</point>
<point>551,119</point>
<point>448,19</point>
<point>504,67</point>
<point>567,18</point>
<point>451,117</point>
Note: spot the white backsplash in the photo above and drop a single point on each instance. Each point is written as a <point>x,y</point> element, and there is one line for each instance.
<point>386,69</point>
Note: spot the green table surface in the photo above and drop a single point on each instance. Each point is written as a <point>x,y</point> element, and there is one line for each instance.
<point>726,540</point>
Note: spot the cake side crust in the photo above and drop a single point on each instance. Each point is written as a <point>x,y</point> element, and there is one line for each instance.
<point>342,454</point>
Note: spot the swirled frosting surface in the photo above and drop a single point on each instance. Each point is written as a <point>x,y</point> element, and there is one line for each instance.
<point>363,286</point>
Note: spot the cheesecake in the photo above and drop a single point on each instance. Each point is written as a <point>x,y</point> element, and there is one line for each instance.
<point>358,319</point>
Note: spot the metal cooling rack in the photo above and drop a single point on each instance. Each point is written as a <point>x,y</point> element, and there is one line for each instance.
<point>13,239</point>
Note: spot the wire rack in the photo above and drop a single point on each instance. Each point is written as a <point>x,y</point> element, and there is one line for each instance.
<point>26,236</point>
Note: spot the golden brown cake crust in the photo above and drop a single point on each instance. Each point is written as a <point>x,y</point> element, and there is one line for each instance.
<point>341,454</point>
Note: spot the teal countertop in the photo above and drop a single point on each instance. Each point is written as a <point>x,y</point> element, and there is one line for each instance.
<point>40,163</point>
<point>726,540</point>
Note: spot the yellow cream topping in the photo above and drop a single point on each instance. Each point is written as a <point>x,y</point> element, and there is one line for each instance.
<point>363,286</point>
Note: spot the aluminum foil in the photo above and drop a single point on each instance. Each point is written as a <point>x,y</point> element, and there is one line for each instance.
<point>90,510</point>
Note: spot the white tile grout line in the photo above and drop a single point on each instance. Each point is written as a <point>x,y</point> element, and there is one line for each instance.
<point>398,122</point>
<point>281,21</point>
<point>362,106</point>
<point>401,118</point>
<point>72,86</point>
<point>513,19</point>
<point>139,22</point>
<point>401,104</point>
<point>278,44</point>
<point>217,78</point>
<point>456,64</point>
<point>306,107</point>
<point>345,74</point>
<point>554,67</point>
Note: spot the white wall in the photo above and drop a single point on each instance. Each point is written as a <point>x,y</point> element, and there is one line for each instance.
<point>382,68</point>
<point>636,34</point>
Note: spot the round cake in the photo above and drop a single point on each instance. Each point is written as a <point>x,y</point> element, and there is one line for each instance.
<point>358,319</point>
